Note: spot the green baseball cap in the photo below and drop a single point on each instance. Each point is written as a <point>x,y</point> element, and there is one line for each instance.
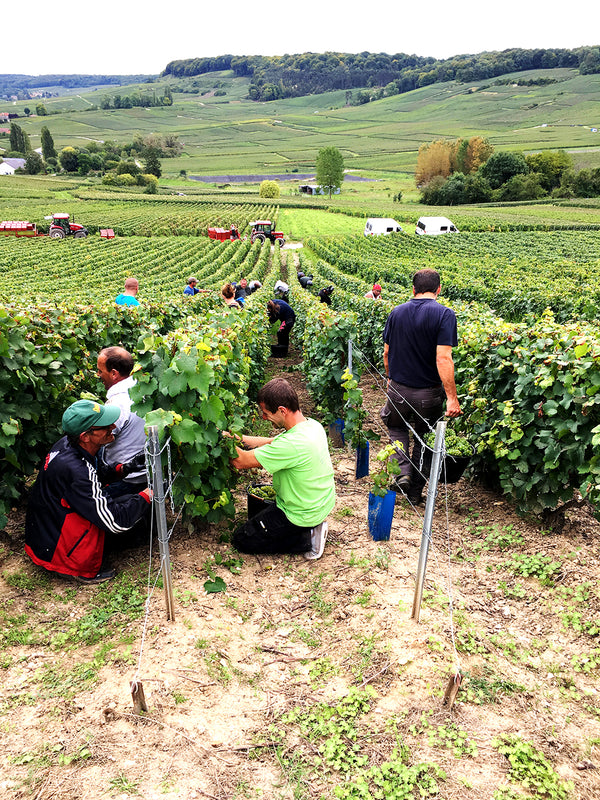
<point>86,414</point>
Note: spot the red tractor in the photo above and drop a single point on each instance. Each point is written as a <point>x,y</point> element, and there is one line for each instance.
<point>61,227</point>
<point>264,229</point>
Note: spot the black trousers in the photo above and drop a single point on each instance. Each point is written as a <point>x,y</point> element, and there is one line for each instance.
<point>419,408</point>
<point>283,334</point>
<point>139,534</point>
<point>270,531</point>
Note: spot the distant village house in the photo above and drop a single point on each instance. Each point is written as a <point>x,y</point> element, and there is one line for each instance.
<point>10,165</point>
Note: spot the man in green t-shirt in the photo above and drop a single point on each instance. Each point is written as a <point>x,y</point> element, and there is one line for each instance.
<point>302,473</point>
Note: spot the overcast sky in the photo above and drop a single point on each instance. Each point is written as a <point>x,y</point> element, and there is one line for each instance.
<point>116,37</point>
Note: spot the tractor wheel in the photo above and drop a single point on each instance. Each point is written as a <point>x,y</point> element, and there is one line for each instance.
<point>260,237</point>
<point>279,241</point>
<point>79,235</point>
<point>58,233</point>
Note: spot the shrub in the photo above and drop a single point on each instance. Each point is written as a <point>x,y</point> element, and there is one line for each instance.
<point>269,189</point>
<point>151,183</point>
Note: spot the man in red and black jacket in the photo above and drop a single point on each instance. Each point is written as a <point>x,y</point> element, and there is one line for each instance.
<point>69,512</point>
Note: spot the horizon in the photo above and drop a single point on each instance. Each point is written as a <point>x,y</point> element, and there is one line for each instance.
<point>104,73</point>
<point>123,43</point>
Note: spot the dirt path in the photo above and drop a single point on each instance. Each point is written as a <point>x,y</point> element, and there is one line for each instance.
<point>293,636</point>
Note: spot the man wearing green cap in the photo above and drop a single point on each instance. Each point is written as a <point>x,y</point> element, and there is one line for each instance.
<point>69,513</point>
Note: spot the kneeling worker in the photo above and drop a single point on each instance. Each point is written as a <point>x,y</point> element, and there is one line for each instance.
<point>69,513</point>
<point>302,473</point>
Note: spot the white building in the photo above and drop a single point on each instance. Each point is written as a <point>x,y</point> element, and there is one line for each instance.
<point>9,165</point>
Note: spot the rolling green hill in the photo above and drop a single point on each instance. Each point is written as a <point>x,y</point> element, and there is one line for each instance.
<point>228,134</point>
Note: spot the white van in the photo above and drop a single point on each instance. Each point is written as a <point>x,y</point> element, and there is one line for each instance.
<point>432,226</point>
<point>381,225</point>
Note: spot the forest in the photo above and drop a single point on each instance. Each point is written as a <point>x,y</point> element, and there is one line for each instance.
<point>274,77</point>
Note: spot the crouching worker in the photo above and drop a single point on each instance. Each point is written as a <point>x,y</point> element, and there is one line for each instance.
<point>302,473</point>
<point>69,513</point>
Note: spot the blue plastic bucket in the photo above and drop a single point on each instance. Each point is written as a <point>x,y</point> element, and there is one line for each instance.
<point>381,513</point>
<point>336,433</point>
<point>362,461</point>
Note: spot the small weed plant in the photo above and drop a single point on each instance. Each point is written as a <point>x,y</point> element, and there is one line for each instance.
<point>334,745</point>
<point>588,663</point>
<point>364,599</point>
<point>503,538</point>
<point>217,668</point>
<point>112,604</point>
<point>515,592</point>
<point>51,755</point>
<point>318,601</point>
<point>541,567</point>
<point>466,636</point>
<point>532,769</point>
<point>452,738</point>
<point>121,783</point>
<point>368,653</point>
<point>321,670</point>
<point>488,688</point>
<point>27,581</point>
<point>448,736</point>
<point>382,558</point>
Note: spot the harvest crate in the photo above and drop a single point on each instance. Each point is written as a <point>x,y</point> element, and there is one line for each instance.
<point>18,228</point>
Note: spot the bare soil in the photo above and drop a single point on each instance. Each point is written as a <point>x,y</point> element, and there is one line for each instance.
<point>291,634</point>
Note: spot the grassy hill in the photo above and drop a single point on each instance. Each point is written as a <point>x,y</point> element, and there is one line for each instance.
<point>227,134</point>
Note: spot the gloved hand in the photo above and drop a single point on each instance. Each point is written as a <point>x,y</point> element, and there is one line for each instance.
<point>136,464</point>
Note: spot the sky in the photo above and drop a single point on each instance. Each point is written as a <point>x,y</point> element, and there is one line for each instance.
<point>115,37</point>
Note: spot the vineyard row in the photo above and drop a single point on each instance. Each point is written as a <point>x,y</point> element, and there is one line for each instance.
<point>530,392</point>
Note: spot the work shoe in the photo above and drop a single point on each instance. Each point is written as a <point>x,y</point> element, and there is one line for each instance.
<point>318,536</point>
<point>400,483</point>
<point>101,577</point>
<point>414,498</point>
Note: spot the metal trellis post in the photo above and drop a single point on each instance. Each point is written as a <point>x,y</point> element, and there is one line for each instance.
<point>440,433</point>
<point>158,501</point>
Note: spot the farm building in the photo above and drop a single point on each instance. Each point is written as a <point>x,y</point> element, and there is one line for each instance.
<point>312,188</point>
<point>9,165</point>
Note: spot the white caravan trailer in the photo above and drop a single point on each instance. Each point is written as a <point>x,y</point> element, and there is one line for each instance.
<point>381,225</point>
<point>432,226</point>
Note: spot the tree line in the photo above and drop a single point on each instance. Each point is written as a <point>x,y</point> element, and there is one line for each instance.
<point>119,164</point>
<point>21,86</point>
<point>274,77</point>
<point>468,171</point>
<point>138,99</point>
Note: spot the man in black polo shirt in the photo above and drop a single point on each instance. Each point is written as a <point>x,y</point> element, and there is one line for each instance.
<point>418,339</point>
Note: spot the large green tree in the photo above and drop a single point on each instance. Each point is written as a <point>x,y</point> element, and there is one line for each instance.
<point>68,159</point>
<point>500,168</point>
<point>48,149</point>
<point>19,140</point>
<point>33,163</point>
<point>550,165</point>
<point>330,169</point>
<point>152,161</point>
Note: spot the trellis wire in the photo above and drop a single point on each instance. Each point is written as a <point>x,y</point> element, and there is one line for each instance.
<point>153,474</point>
<point>376,374</point>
